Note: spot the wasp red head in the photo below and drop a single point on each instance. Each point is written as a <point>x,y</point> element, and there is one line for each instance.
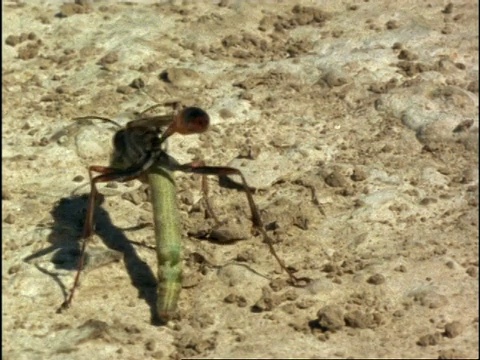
<point>191,120</point>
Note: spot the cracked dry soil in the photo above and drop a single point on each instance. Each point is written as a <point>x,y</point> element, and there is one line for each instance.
<point>356,122</point>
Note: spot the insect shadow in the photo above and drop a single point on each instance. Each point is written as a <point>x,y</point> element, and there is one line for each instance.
<point>69,215</point>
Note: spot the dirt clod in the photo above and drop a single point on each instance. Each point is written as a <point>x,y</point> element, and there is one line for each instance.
<point>453,329</point>
<point>376,279</point>
<point>355,124</point>
<point>331,317</point>
<point>429,339</point>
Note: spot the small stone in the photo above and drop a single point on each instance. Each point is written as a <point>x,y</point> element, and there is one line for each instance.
<point>358,174</point>
<point>229,233</point>
<point>226,113</point>
<point>330,317</point>
<point>335,179</point>
<point>304,303</point>
<point>230,298</point>
<point>70,9</point>
<point>28,51</point>
<point>137,83</point>
<point>360,320</point>
<point>450,264</point>
<point>391,24</point>
<point>49,98</point>
<point>407,55</point>
<point>110,58</point>
<point>14,269</point>
<point>451,354</point>
<point>182,77</point>
<point>447,30</point>
<point>78,178</point>
<point>399,313</point>
<point>428,200</point>
<point>150,345</point>
<point>9,219</point>
<point>122,89</point>
<point>430,339</point>
<point>376,279</point>
<point>472,271</point>
<point>12,40</point>
<point>431,299</point>
<point>241,301</point>
<point>334,79</point>
<point>277,284</point>
<point>267,302</point>
<point>397,46</point>
<point>135,197</point>
<point>400,268</point>
<point>61,90</point>
<point>453,329</point>
<point>448,9</point>
<point>6,195</point>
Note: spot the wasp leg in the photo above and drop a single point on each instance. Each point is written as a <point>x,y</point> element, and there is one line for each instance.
<point>106,174</point>
<point>200,168</point>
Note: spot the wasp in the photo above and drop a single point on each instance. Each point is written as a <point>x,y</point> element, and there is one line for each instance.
<point>139,153</point>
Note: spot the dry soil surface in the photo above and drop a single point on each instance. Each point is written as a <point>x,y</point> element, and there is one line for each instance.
<point>356,122</point>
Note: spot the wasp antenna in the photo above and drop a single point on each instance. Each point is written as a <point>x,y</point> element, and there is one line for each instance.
<point>83,118</point>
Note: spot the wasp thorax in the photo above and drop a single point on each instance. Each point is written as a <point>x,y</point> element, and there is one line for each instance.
<point>131,146</point>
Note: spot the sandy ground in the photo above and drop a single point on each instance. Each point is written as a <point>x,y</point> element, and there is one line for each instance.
<point>357,123</point>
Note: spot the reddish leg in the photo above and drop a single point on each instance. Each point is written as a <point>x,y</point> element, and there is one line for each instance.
<point>106,174</point>
<point>211,213</point>
<point>200,168</point>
